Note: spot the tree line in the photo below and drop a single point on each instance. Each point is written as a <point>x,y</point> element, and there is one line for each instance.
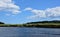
<point>54,21</point>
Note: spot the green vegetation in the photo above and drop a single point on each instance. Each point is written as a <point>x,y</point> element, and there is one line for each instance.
<point>1,23</point>
<point>45,24</point>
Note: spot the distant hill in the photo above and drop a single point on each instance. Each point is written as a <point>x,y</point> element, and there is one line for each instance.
<point>44,24</point>
<point>54,21</point>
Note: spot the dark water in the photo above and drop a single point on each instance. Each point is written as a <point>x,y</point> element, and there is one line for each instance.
<point>29,32</point>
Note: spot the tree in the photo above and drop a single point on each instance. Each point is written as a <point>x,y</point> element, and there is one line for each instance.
<point>1,23</point>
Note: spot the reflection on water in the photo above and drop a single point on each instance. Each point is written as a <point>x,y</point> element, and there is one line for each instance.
<point>29,32</point>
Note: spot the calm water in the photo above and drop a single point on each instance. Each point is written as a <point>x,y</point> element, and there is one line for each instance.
<point>28,32</point>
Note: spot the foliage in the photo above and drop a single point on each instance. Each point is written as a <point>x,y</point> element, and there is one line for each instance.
<point>1,23</point>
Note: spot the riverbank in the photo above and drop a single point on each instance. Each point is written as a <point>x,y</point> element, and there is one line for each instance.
<point>41,25</point>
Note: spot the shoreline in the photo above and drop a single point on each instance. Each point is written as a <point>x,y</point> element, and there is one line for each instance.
<point>34,26</point>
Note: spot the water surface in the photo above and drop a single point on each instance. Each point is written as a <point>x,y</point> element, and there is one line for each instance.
<point>29,32</point>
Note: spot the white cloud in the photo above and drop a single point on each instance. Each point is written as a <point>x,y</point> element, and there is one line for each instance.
<point>39,13</point>
<point>28,9</point>
<point>8,5</point>
<point>49,12</point>
<point>53,11</point>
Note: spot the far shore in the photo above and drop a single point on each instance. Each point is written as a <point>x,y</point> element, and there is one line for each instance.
<point>40,25</point>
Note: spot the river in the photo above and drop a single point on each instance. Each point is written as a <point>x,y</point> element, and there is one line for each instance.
<point>29,32</point>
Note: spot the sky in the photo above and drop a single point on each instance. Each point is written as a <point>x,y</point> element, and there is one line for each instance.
<point>23,11</point>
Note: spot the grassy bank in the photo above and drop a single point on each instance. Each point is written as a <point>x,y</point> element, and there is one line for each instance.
<point>45,25</point>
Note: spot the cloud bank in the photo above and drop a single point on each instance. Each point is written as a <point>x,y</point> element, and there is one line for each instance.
<point>8,5</point>
<point>49,12</point>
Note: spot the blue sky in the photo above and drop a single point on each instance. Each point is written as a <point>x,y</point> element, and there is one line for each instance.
<point>23,11</point>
